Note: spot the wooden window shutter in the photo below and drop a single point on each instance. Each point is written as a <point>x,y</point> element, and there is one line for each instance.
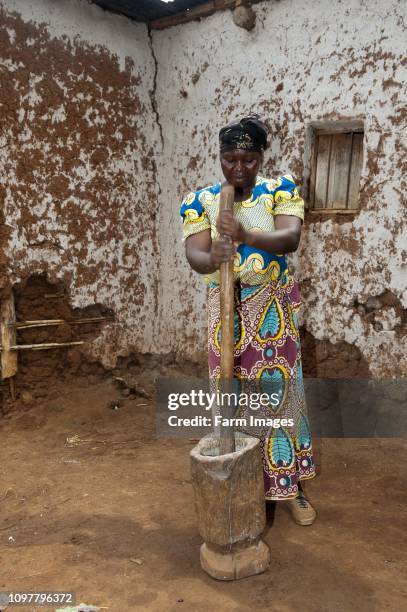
<point>336,170</point>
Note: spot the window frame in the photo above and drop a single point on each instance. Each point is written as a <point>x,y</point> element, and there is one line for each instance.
<point>317,129</point>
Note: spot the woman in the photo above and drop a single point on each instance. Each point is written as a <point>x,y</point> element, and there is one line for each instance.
<point>265,225</point>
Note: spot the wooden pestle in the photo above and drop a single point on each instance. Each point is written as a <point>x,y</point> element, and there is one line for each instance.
<point>227,438</point>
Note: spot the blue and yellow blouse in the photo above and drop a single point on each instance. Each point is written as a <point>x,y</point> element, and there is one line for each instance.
<point>270,197</point>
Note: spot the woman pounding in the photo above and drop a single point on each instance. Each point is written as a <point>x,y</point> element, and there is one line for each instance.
<point>265,225</point>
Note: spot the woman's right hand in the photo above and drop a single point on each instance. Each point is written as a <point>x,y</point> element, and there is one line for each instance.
<point>222,250</point>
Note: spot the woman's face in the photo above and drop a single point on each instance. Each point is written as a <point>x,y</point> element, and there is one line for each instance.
<point>240,167</point>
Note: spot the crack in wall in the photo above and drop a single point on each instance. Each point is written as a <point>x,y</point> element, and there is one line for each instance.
<point>46,244</point>
<point>152,92</point>
<point>157,289</point>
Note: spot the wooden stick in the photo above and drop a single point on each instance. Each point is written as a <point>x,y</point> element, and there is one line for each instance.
<point>8,337</point>
<point>227,296</point>
<point>50,322</point>
<point>204,10</point>
<point>38,347</point>
<point>227,439</point>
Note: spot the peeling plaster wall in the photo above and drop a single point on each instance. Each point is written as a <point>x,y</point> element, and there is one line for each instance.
<point>78,194</point>
<point>304,61</point>
<point>105,126</point>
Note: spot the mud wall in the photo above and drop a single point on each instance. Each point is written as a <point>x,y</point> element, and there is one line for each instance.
<point>104,127</point>
<point>304,61</point>
<point>78,191</point>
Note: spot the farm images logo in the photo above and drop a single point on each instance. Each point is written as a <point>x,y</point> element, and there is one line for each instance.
<point>188,408</point>
<point>223,401</point>
<point>335,408</point>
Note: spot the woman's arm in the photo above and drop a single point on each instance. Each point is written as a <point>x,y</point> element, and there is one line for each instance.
<point>205,256</point>
<point>284,239</point>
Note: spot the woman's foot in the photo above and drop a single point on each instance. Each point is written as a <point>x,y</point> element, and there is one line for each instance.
<point>301,510</point>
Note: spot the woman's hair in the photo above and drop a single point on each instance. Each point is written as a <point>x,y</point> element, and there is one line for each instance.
<point>248,133</point>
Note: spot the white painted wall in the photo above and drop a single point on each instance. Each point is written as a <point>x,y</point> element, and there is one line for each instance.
<point>332,60</point>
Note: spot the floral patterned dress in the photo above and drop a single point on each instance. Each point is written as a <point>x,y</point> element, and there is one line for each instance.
<point>267,345</point>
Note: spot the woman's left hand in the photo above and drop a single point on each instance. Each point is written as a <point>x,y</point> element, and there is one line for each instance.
<point>227,225</point>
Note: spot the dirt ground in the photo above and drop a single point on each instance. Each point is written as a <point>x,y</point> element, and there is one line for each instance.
<point>110,516</point>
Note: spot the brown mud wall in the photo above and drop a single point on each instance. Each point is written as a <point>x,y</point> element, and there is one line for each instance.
<point>78,196</point>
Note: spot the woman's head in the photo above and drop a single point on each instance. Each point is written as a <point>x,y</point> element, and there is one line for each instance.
<point>241,151</point>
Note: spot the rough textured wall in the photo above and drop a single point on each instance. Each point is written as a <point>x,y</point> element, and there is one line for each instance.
<point>78,193</point>
<point>304,61</point>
